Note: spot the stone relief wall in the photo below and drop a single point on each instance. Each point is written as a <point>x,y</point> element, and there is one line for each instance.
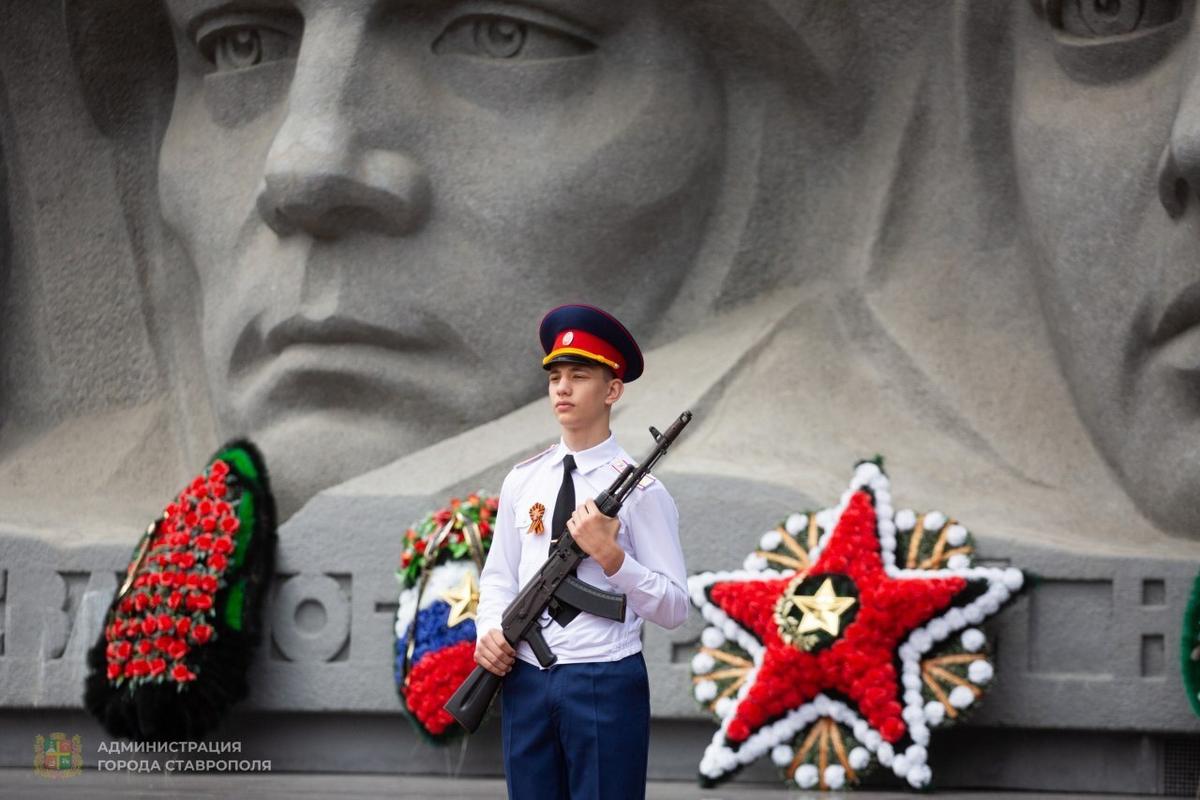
<point>958,234</point>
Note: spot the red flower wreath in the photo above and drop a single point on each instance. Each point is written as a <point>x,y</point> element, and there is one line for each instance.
<point>168,605</point>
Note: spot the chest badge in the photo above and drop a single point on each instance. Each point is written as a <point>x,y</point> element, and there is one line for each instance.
<point>536,512</point>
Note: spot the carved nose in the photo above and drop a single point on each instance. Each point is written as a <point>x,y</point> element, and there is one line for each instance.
<point>328,195</point>
<point>1179,162</point>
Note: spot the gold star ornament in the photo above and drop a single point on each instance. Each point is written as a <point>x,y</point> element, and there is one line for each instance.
<point>463,600</point>
<point>820,611</point>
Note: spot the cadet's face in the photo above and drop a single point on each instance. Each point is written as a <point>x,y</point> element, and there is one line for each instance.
<point>580,394</point>
<point>1107,144</point>
<point>373,190</point>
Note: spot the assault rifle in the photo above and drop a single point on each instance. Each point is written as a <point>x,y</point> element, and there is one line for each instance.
<point>556,590</point>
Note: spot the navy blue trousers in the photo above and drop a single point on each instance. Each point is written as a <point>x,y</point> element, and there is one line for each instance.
<point>576,731</point>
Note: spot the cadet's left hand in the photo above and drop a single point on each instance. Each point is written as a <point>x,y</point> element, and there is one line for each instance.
<point>597,536</point>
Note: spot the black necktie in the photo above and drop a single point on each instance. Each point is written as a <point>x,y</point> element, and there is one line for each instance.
<point>565,504</point>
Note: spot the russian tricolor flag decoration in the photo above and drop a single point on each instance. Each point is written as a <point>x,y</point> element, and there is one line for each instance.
<point>435,623</point>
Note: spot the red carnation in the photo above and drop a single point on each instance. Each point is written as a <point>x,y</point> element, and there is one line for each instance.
<point>202,633</point>
<point>208,583</point>
<point>218,490</point>
<point>114,671</point>
<point>178,649</point>
<point>139,667</point>
<point>217,561</point>
<point>149,626</point>
<point>892,729</point>
<point>182,625</point>
<point>419,546</point>
<point>191,519</point>
<point>174,600</point>
<point>205,540</point>
<point>182,674</point>
<point>208,524</point>
<point>158,666</point>
<point>224,544</point>
<point>199,602</point>
<point>230,524</point>
<point>218,469</point>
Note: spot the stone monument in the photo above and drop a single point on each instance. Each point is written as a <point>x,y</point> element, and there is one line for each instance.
<point>840,229</point>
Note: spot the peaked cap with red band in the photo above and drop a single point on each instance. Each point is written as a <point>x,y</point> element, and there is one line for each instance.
<point>586,335</point>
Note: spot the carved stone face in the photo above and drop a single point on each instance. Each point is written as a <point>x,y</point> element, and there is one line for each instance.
<point>1107,146</point>
<point>382,199</point>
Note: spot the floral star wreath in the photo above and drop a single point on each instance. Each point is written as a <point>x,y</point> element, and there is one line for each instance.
<point>847,635</point>
<point>435,624</point>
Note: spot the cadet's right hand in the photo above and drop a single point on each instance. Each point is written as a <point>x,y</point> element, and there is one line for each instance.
<point>494,653</point>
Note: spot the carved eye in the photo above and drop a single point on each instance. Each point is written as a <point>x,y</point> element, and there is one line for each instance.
<point>234,47</point>
<point>1096,19</point>
<point>508,38</point>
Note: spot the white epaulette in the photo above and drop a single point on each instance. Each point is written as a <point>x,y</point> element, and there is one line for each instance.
<point>534,457</point>
<point>619,464</point>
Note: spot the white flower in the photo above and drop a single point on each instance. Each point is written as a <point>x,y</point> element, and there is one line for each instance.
<point>867,471</point>
<point>781,755</point>
<point>754,563</point>
<point>883,510</point>
<point>826,519</point>
<point>980,672</point>
<point>770,540</point>
<point>959,561</point>
<point>961,697</point>
<point>911,680</point>
<point>939,629</point>
<point>900,765</point>
<point>919,734</point>
<point>724,706</point>
<point>973,640</point>
<point>920,776</point>
<point>973,614</point>
<point>955,619</point>
<point>921,640</point>
<point>935,712</point>
<point>712,638</point>
<point>913,714</point>
<point>988,604</point>
<point>907,652</point>
<point>1014,579</point>
<point>916,754</point>
<point>859,757</point>
<point>885,754</point>
<point>913,698</point>
<point>796,523</point>
<point>956,535</point>
<point>906,520</point>
<point>702,663</point>
<point>934,521</point>
<point>705,691</point>
<point>835,776</point>
<point>805,776</point>
<point>731,628</point>
<point>872,739</point>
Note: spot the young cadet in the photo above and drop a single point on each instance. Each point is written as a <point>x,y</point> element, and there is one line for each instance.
<point>581,728</point>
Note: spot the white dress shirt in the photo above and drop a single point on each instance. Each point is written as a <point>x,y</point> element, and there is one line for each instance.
<point>652,577</point>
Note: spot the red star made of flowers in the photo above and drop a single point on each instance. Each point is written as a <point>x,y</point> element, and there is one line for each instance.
<point>866,679</point>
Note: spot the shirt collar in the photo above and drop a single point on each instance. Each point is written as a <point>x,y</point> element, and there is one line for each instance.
<point>587,460</point>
